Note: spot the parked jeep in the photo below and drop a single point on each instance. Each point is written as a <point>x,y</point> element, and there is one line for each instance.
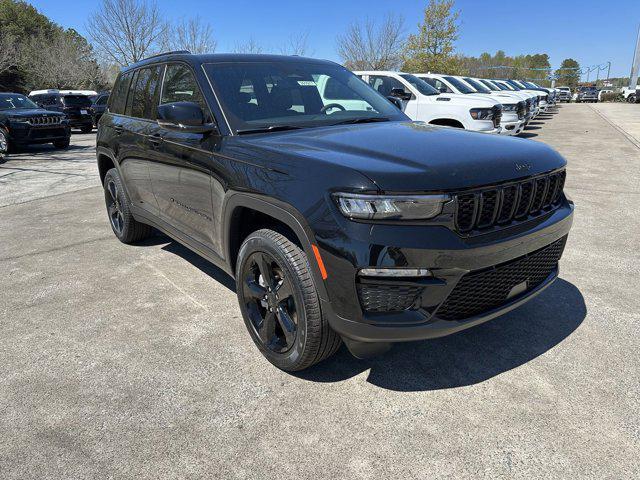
<point>76,107</point>
<point>22,123</point>
<point>338,217</point>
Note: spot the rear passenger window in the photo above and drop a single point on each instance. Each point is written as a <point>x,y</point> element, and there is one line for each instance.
<point>118,98</point>
<point>144,91</point>
<point>180,86</point>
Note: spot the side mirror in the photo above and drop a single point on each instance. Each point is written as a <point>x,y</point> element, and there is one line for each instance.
<point>396,101</point>
<point>183,117</point>
<point>400,93</point>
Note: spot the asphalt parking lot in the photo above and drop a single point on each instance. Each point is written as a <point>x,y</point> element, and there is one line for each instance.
<point>134,362</point>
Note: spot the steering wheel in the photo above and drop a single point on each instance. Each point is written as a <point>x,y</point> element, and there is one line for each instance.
<point>330,106</point>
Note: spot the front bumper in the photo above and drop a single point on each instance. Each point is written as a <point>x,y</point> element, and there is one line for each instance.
<point>511,124</point>
<point>449,257</point>
<point>27,135</point>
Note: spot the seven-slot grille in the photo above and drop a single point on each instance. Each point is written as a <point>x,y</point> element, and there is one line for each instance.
<point>37,121</point>
<point>501,205</point>
<point>483,290</point>
<point>497,115</point>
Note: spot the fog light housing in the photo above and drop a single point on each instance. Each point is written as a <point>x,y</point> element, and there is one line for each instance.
<point>395,272</point>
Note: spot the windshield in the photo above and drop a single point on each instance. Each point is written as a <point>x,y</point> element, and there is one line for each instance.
<point>490,85</point>
<point>76,101</point>
<point>269,95</point>
<point>477,85</point>
<point>11,102</point>
<point>460,86</point>
<point>507,86</point>
<point>423,87</point>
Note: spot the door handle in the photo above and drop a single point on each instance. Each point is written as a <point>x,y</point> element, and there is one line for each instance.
<point>118,130</point>
<point>154,140</point>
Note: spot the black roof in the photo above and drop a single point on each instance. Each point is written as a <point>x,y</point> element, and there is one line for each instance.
<point>222,58</point>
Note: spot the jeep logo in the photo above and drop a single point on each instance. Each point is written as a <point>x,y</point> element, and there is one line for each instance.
<point>523,166</point>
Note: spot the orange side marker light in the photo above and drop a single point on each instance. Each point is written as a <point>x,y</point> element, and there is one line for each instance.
<point>323,271</point>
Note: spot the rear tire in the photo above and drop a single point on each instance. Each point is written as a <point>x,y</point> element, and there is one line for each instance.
<point>124,226</point>
<point>280,304</point>
<point>87,129</point>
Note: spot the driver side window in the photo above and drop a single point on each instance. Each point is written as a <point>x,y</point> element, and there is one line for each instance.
<point>384,85</point>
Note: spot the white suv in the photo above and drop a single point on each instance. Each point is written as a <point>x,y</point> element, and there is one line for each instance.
<point>513,106</point>
<point>420,101</point>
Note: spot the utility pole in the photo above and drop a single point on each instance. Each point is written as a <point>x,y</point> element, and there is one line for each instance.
<point>608,70</point>
<point>633,79</point>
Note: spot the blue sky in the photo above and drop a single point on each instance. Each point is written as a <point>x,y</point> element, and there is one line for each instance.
<point>590,31</point>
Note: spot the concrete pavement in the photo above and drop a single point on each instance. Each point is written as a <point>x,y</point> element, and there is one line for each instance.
<point>134,362</point>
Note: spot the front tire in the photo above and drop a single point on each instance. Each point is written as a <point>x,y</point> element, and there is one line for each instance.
<point>124,226</point>
<point>5,144</point>
<point>280,304</point>
<point>86,129</point>
<point>62,144</point>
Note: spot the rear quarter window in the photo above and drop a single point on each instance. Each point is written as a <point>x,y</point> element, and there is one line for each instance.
<point>118,98</point>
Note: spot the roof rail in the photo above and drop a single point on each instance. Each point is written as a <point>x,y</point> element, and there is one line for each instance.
<point>174,52</point>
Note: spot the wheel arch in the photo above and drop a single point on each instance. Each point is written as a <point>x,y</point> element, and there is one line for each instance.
<point>245,214</point>
<point>105,163</point>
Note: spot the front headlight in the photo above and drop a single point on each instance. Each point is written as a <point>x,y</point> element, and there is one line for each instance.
<point>390,207</point>
<point>481,113</point>
<point>509,107</point>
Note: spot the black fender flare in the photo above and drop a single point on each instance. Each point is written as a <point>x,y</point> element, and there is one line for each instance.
<point>282,212</point>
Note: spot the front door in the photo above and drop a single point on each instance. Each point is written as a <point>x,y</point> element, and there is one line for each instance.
<point>183,173</point>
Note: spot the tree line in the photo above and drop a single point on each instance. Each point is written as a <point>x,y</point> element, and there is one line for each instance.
<point>37,53</point>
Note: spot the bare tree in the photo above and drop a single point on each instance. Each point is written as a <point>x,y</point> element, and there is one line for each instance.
<point>193,35</point>
<point>370,46</point>
<point>250,46</point>
<point>296,44</point>
<point>62,60</point>
<point>126,31</point>
<point>9,53</point>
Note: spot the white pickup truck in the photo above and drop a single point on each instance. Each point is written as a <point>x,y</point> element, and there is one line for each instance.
<point>420,101</point>
<point>513,106</point>
<point>629,94</point>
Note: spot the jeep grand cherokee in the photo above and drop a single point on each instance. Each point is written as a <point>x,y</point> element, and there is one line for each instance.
<point>339,218</point>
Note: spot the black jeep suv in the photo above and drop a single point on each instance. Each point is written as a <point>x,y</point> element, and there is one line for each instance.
<point>77,108</point>
<point>22,122</point>
<point>339,218</point>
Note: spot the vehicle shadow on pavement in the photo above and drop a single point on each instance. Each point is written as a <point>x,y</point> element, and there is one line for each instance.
<point>194,259</point>
<point>468,357</point>
<point>527,135</point>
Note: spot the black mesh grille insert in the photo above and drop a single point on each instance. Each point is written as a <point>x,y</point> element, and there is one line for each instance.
<point>387,298</point>
<point>502,205</point>
<point>484,290</point>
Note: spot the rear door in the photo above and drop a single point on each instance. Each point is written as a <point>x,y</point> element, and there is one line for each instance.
<point>134,129</point>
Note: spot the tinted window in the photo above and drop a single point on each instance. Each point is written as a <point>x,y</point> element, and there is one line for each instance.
<point>459,85</point>
<point>102,100</point>
<point>118,99</point>
<point>423,87</point>
<point>490,85</point>
<point>258,95</point>
<point>143,104</point>
<point>180,85</point>
<point>477,85</point>
<point>336,90</point>
<point>384,84</point>
<point>76,101</point>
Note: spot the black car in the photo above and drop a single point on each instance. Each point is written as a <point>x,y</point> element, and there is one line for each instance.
<point>22,122</point>
<point>98,107</point>
<point>76,107</point>
<point>340,219</point>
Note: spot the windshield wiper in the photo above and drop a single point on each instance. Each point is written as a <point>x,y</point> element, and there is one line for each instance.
<point>272,128</point>
<point>362,120</point>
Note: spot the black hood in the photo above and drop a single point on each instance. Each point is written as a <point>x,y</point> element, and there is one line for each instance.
<point>413,157</point>
<point>29,112</point>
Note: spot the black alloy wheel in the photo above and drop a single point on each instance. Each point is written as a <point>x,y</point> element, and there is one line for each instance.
<point>114,206</point>
<point>270,302</point>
